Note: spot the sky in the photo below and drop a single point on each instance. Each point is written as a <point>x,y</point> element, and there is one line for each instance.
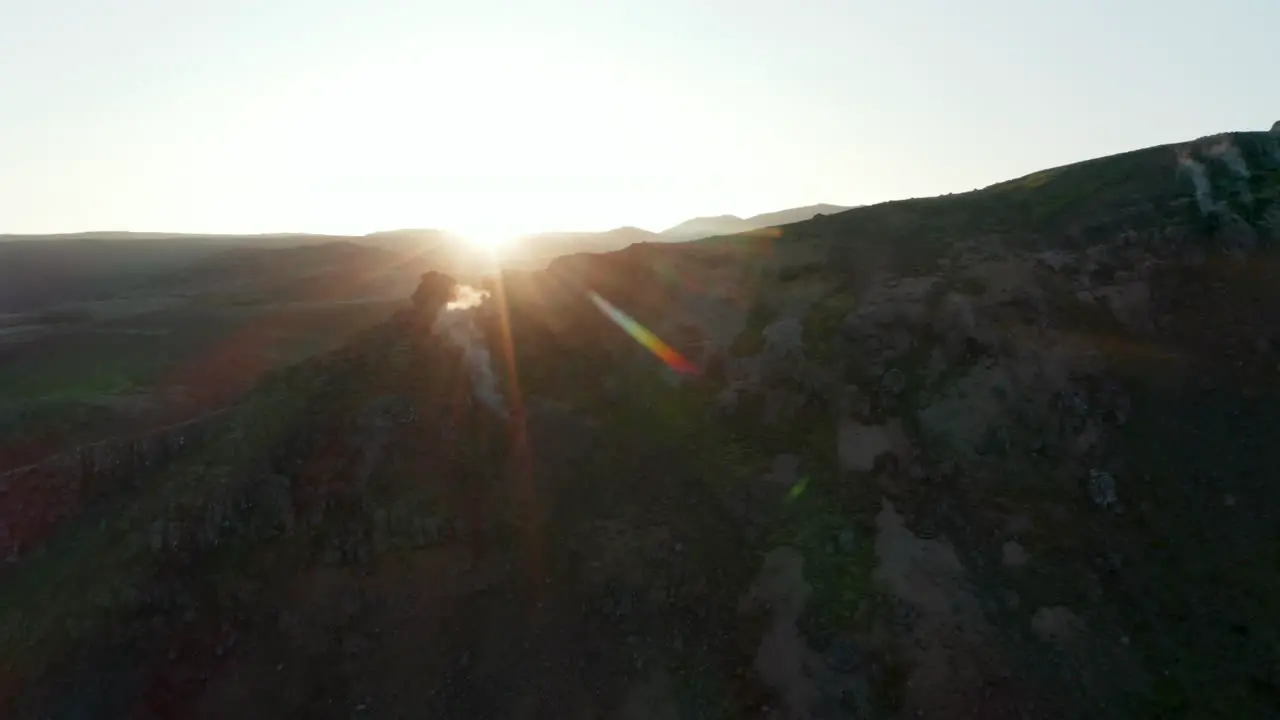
<point>492,118</point>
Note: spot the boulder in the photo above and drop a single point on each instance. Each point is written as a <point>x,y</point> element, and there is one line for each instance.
<point>861,445</point>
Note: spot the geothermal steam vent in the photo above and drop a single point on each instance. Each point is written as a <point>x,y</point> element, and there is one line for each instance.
<point>456,323</point>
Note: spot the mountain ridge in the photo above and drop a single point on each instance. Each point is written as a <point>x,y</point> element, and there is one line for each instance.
<point>403,235</point>
<point>707,226</point>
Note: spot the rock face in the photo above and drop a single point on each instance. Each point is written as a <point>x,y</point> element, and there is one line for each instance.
<point>1048,365</point>
<point>434,290</point>
<point>35,499</point>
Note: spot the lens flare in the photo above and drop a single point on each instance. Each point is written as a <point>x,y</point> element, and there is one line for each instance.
<point>642,335</point>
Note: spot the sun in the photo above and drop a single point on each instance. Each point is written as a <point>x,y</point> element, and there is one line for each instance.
<point>492,243</point>
<point>488,241</point>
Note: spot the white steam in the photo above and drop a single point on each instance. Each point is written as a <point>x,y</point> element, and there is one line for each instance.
<point>1199,179</point>
<point>456,322</point>
<point>1227,152</point>
<point>466,297</point>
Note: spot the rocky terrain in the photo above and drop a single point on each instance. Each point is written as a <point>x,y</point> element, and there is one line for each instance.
<point>1001,454</point>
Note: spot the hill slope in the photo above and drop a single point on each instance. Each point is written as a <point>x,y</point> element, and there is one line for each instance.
<point>38,271</point>
<point>1007,453</point>
<point>336,271</point>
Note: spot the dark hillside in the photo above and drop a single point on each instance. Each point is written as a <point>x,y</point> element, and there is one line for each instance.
<point>1002,454</point>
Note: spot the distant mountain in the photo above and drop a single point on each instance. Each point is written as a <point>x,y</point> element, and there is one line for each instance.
<point>794,215</point>
<point>43,270</point>
<point>539,249</point>
<point>701,227</point>
<point>449,253</point>
<point>412,240</point>
<point>128,236</point>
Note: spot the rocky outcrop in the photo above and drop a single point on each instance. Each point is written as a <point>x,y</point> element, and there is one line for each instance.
<point>434,289</point>
<point>1040,383</point>
<point>36,498</point>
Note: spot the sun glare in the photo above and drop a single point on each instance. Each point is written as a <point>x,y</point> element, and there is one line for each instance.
<point>487,241</point>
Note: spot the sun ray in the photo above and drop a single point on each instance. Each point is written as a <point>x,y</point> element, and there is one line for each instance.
<point>519,458</point>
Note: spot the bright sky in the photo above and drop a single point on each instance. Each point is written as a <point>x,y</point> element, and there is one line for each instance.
<point>473,115</point>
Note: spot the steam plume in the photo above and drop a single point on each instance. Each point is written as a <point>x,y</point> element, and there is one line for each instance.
<point>456,322</point>
<point>1199,179</point>
<point>1227,152</point>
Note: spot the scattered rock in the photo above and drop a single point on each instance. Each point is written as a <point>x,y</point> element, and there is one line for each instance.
<point>1074,403</point>
<point>653,699</point>
<point>1014,555</point>
<point>785,470</point>
<point>861,445</point>
<point>783,660</point>
<point>1057,624</point>
<point>783,339</point>
<point>1129,303</point>
<point>1019,524</point>
<point>156,535</point>
<point>381,530</point>
<point>847,541</point>
<point>1102,489</point>
<point>962,417</point>
<point>893,382</point>
<point>941,624</point>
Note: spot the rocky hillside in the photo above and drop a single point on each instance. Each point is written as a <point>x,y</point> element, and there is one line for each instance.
<point>1000,454</point>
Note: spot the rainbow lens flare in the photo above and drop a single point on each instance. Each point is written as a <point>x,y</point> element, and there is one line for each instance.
<point>641,334</point>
